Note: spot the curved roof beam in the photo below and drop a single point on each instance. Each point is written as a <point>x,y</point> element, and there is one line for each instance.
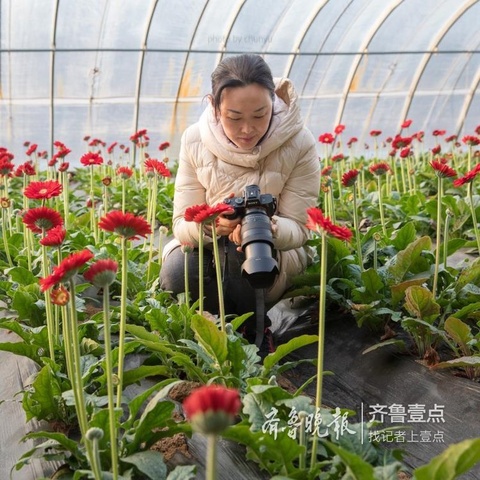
<point>140,70</point>
<point>229,31</point>
<point>184,68</point>
<point>52,77</point>
<point>356,63</point>
<point>298,41</point>
<point>467,102</point>
<point>426,58</point>
<point>323,43</point>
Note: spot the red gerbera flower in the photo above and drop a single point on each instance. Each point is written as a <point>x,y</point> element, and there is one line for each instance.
<point>468,177</point>
<point>406,123</point>
<point>154,165</point>
<point>338,157</point>
<point>438,133</point>
<point>350,178</point>
<point>42,219</point>
<point>401,142</point>
<point>471,140</point>
<point>54,237</point>
<point>127,225</point>
<point>442,169</point>
<point>405,152</point>
<point>326,171</point>
<point>124,172</point>
<point>380,168</point>
<point>318,222</point>
<point>91,158</point>
<point>60,296</point>
<point>33,147</point>
<point>212,408</point>
<point>352,141</point>
<point>26,168</point>
<point>43,190</point>
<point>375,133</point>
<point>6,166</point>
<point>63,167</point>
<point>326,138</point>
<point>436,150</point>
<point>164,146</point>
<point>102,273</point>
<point>339,129</point>
<point>204,213</point>
<point>111,147</point>
<point>68,267</point>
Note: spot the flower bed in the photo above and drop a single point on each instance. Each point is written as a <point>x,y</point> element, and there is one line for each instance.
<point>64,235</point>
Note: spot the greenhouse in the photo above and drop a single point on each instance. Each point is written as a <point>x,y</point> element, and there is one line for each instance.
<point>239,239</point>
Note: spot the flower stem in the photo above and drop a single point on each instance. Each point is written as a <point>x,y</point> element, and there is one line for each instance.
<point>200,268</point>
<point>439,228</point>
<point>380,205</point>
<point>123,322</point>
<point>48,307</point>
<point>187,280</point>
<point>5,239</point>
<point>221,304</point>
<point>357,231</point>
<point>109,375</point>
<point>474,215</point>
<point>211,457</point>
<point>321,338</point>
<point>77,382</point>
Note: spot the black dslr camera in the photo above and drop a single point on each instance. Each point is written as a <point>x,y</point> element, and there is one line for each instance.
<point>259,267</point>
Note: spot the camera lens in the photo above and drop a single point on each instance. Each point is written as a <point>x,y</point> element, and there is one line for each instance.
<point>259,267</point>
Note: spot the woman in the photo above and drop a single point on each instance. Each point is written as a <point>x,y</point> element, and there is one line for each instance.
<point>251,134</point>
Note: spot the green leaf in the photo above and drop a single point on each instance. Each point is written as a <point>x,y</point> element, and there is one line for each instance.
<point>420,302</point>
<point>44,402</point>
<point>452,462</point>
<point>24,303</point>
<point>410,260</point>
<point>22,349</point>
<point>404,236</point>
<point>392,341</point>
<point>142,333</point>
<point>137,374</point>
<point>357,468</point>
<point>150,463</point>
<point>183,472</point>
<point>22,275</point>
<point>467,361</point>
<point>398,290</point>
<point>459,331</point>
<point>286,349</point>
<point>470,274</point>
<point>273,452</point>
<point>210,338</point>
<point>372,286</point>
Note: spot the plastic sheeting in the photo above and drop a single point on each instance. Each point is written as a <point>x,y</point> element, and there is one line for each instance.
<point>107,68</point>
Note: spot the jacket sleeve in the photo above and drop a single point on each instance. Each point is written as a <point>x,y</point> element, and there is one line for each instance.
<point>188,191</point>
<point>300,192</point>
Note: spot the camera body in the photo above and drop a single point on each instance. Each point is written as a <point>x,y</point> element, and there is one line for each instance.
<point>260,267</point>
<point>252,198</point>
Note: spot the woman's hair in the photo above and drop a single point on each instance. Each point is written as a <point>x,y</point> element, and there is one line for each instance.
<point>240,71</point>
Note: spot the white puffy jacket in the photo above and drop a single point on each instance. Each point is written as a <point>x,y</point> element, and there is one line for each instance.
<point>284,164</point>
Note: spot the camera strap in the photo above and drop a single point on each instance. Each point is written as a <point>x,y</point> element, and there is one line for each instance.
<point>260,314</point>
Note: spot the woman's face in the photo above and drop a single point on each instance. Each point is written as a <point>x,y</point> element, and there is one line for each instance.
<point>245,114</point>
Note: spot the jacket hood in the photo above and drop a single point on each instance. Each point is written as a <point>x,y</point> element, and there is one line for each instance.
<point>286,122</point>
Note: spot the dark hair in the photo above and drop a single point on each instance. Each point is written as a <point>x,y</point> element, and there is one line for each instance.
<point>240,71</point>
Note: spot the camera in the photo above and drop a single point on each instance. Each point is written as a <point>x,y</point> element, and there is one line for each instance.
<point>260,267</point>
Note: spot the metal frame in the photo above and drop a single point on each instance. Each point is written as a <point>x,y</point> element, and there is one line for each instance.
<point>432,48</point>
